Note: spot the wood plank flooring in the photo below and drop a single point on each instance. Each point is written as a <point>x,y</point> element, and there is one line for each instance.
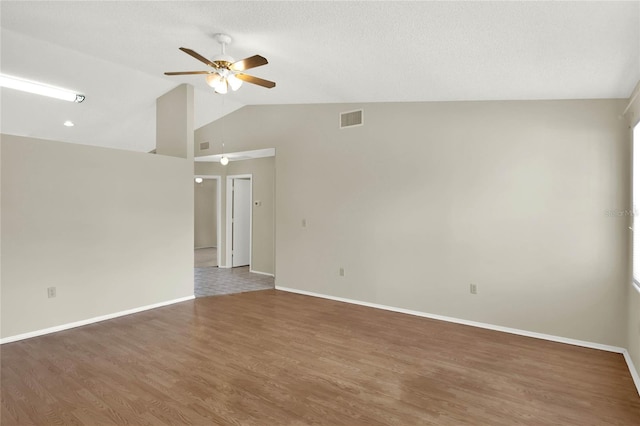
<point>276,358</point>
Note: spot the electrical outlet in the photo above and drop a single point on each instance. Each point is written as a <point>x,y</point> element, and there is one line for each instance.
<point>51,292</point>
<point>341,272</point>
<point>473,288</point>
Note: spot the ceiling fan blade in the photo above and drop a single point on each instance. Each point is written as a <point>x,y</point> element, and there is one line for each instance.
<point>255,80</point>
<point>198,56</point>
<point>186,72</point>
<point>247,63</point>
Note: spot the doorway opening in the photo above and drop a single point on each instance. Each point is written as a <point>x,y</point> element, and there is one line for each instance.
<point>207,221</point>
<point>247,230</point>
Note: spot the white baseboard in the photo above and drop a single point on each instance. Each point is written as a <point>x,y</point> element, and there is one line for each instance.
<point>261,273</point>
<point>90,320</point>
<point>632,369</point>
<point>550,337</point>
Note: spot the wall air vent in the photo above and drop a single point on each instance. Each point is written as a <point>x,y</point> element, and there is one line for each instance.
<point>351,119</point>
<point>204,145</point>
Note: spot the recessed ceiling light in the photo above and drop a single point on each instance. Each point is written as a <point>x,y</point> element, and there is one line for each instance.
<point>69,123</point>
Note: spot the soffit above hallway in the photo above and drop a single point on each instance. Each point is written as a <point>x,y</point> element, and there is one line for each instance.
<point>319,52</point>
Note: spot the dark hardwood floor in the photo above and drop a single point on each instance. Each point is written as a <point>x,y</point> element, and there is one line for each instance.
<point>275,358</point>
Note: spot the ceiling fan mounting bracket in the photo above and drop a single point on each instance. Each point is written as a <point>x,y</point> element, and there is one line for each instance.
<point>223,38</point>
<point>223,60</point>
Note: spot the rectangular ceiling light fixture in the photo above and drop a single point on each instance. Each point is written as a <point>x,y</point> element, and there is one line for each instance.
<point>39,89</point>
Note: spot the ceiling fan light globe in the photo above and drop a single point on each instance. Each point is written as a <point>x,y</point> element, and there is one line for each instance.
<point>234,82</point>
<point>213,80</point>
<point>222,87</point>
<point>218,82</point>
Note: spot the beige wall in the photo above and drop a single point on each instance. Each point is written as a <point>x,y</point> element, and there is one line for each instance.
<point>111,230</point>
<point>633,117</point>
<point>426,198</point>
<point>263,232</point>
<point>205,233</point>
<point>174,122</point>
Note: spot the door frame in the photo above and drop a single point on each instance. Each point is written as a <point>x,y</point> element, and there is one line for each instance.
<point>229,234</point>
<point>218,180</point>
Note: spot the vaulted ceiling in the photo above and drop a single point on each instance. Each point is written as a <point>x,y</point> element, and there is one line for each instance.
<point>319,52</point>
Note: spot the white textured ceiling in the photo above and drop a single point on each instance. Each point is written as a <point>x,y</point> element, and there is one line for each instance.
<point>319,52</point>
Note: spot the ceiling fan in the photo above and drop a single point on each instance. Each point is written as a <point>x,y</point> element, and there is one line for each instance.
<point>227,73</point>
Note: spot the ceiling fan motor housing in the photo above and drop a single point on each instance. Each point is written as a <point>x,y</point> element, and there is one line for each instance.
<point>223,61</point>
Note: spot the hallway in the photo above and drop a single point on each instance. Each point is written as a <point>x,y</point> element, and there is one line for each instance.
<point>209,280</point>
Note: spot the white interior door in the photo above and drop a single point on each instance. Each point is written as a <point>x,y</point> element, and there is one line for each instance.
<point>241,223</point>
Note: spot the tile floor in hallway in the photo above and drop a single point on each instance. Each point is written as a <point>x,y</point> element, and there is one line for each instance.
<point>205,257</point>
<point>214,281</point>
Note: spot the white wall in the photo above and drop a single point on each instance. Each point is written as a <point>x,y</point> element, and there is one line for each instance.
<point>426,198</point>
<point>111,230</point>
